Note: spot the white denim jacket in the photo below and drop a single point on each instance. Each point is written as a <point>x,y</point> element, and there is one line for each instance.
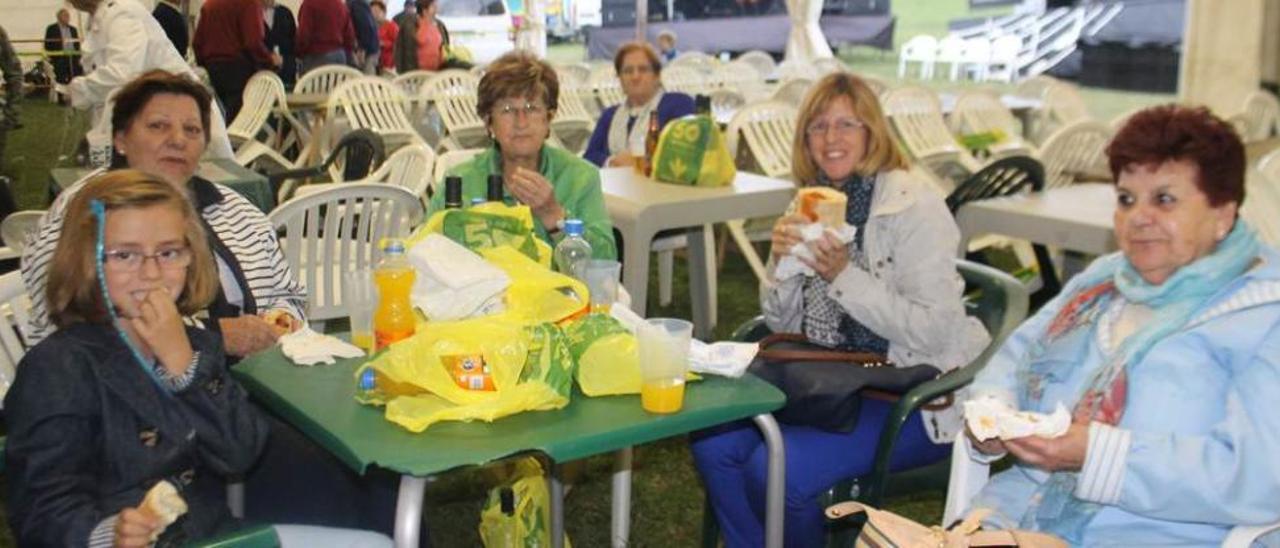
<point>911,294</point>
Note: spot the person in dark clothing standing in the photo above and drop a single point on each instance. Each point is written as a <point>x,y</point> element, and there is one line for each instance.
<point>230,43</point>
<point>12,71</point>
<point>282,31</point>
<point>62,42</point>
<point>168,14</point>
<point>366,28</point>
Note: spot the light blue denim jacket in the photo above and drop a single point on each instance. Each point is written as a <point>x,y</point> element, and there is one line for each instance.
<point>1197,450</point>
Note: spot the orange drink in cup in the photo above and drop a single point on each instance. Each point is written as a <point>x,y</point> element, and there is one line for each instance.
<point>664,360</point>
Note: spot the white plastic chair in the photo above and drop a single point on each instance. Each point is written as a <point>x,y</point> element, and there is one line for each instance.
<point>451,95</point>
<point>916,117</point>
<point>951,52</point>
<point>608,89</point>
<point>921,49</point>
<point>762,61</point>
<point>1076,149</point>
<point>1062,105</point>
<point>968,476</point>
<point>683,79</point>
<point>14,312</point>
<point>573,74</point>
<point>264,96</point>
<point>1004,65</point>
<point>18,227</point>
<point>981,112</point>
<point>760,139</point>
<point>1264,199</point>
<point>325,79</point>
<point>701,62</point>
<point>725,102</point>
<point>409,168</point>
<point>740,76</point>
<point>791,70</point>
<point>828,65</point>
<point>337,230</point>
<point>448,160</point>
<point>572,124</point>
<point>976,58</point>
<point>1263,112</point>
<point>792,92</point>
<point>377,105</point>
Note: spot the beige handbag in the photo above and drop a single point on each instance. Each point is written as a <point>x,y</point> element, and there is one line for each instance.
<point>889,530</point>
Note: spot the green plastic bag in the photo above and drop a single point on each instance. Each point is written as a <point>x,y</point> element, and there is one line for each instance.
<point>691,151</point>
<point>488,226</point>
<point>524,519</point>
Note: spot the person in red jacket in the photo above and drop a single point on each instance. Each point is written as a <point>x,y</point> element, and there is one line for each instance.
<point>387,33</point>
<point>229,44</point>
<point>325,34</point>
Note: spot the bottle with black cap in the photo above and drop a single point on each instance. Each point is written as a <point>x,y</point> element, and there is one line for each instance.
<point>494,191</point>
<point>453,192</point>
<point>702,105</point>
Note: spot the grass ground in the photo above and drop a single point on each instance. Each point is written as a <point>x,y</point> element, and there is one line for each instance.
<point>667,493</point>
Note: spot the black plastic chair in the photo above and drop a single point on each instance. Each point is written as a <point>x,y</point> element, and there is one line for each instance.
<point>999,301</point>
<point>1005,177</point>
<point>357,154</point>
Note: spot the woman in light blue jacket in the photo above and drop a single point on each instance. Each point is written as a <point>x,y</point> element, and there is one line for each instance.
<point>1168,353</point>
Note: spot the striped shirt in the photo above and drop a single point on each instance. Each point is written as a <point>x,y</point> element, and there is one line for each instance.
<point>262,274</point>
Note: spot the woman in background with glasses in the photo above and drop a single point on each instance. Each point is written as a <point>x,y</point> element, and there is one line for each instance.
<point>892,291</point>
<point>620,133</point>
<point>517,98</point>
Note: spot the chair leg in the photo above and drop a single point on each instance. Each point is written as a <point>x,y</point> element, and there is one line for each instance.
<point>739,234</point>
<point>666,271</point>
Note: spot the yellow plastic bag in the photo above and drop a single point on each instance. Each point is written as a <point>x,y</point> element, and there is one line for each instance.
<point>530,368</point>
<point>692,151</point>
<point>537,294</point>
<point>488,226</point>
<point>518,513</point>
<point>607,357</point>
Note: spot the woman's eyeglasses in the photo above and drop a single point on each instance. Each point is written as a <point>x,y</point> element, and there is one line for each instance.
<point>509,110</point>
<point>126,260</point>
<point>637,69</point>
<point>841,126</point>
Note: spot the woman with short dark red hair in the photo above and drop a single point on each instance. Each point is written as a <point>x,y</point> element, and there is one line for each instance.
<point>1167,352</point>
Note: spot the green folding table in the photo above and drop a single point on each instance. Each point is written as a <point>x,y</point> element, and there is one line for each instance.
<point>320,402</point>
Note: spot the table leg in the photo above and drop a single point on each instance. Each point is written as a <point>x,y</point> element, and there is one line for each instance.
<point>776,482</point>
<point>702,282</point>
<point>620,522</point>
<point>556,489</point>
<point>409,511</point>
<point>635,265</point>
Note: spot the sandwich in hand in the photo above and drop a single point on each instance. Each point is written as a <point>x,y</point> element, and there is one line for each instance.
<point>824,205</point>
<point>163,502</point>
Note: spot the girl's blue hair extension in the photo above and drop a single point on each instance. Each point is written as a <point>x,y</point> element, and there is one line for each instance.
<point>99,211</point>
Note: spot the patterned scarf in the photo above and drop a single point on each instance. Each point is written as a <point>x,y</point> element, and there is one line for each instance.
<point>825,322</point>
<point>1054,508</point>
<point>630,125</point>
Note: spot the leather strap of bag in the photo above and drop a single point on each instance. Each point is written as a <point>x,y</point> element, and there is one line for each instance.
<point>860,359</point>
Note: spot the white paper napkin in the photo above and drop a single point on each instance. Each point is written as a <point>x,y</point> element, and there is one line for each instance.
<point>306,347</point>
<point>454,282</point>
<point>790,264</point>
<point>989,417</point>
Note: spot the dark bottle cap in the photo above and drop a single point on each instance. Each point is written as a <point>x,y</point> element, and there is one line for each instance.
<point>453,192</point>
<point>702,104</point>
<point>507,499</point>
<point>494,191</point>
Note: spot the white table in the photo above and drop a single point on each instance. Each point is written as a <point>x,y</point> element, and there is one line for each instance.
<point>1076,217</point>
<point>640,208</point>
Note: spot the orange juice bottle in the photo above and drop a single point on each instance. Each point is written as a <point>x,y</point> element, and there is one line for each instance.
<point>393,320</point>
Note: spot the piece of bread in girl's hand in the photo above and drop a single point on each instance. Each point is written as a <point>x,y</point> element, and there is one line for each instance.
<point>163,502</point>
<point>279,320</point>
<point>824,205</point>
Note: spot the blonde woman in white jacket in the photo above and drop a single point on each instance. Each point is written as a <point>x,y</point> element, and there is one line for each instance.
<point>893,290</point>
<point>122,42</point>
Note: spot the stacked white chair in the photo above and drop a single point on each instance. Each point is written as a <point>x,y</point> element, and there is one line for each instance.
<point>411,84</point>
<point>1263,112</point>
<point>696,60</point>
<point>409,168</point>
<point>916,118</point>
<point>725,102</point>
<point>325,79</point>
<point>1004,65</point>
<point>1076,150</point>
<point>604,82</point>
<point>14,312</point>
<point>451,96</point>
<point>377,105</point>
<point>792,92</point>
<point>762,61</point>
<point>448,160</point>
<point>684,79</point>
<point>17,227</point>
<point>789,70</point>
<point>976,58</point>
<point>1264,199</point>
<point>740,76</point>
<point>760,135</point>
<point>951,52</point>
<point>922,49</point>
<point>251,132</point>
<point>981,112</point>
<point>1062,105</point>
<point>572,124</point>
<point>337,230</point>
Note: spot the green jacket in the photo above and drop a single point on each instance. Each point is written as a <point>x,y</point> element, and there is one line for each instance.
<point>576,185</point>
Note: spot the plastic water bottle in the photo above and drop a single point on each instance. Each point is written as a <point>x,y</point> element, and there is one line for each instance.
<point>393,320</point>
<point>573,252</point>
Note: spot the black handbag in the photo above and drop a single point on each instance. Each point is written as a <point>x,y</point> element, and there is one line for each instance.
<point>825,387</point>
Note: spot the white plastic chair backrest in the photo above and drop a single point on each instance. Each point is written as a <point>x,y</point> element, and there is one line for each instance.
<point>409,167</point>
<point>263,94</point>
<point>1264,199</point>
<point>608,89</point>
<point>1004,49</point>
<point>790,70</point>
<point>1063,103</point>
<point>696,60</point>
<point>1268,166</point>
<point>325,79</point>
<point>575,74</point>
<point>977,50</point>
<point>767,130</point>
<point>375,104</point>
<point>762,61</point>
<point>1034,87</point>
<point>916,116</point>
<point>448,160</point>
<point>1076,148</point>
<point>14,309</point>
<point>737,72</point>
<point>792,92</point>
<point>979,112</point>
<point>725,102</point>
<point>454,94</point>
<point>828,65</point>
<point>411,82</point>
<point>18,226</point>
<point>1264,112</point>
<point>337,230</point>
<point>951,49</point>
<point>920,48</point>
<point>683,79</point>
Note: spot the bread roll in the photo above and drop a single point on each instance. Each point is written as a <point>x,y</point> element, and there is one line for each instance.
<point>164,502</point>
<point>824,205</point>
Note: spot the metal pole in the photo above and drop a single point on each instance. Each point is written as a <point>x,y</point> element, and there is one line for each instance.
<point>776,482</point>
<point>556,488</point>
<point>409,511</point>
<point>642,20</point>
<point>621,514</point>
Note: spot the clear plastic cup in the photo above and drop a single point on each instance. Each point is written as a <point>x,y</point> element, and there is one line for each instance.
<point>601,277</point>
<point>664,360</point>
<point>360,296</point>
